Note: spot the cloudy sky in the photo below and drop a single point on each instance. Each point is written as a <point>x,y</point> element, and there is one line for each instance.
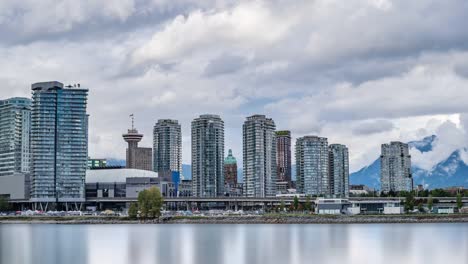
<point>360,72</point>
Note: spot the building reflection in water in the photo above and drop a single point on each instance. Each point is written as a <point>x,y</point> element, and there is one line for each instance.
<point>32,244</point>
<point>233,244</point>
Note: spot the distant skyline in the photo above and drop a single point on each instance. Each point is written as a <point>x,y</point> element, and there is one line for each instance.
<point>359,72</point>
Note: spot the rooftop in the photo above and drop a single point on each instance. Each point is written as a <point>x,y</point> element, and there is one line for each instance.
<point>283,133</point>
<point>230,159</point>
<point>117,175</point>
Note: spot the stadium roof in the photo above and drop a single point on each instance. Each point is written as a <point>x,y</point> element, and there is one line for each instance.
<point>117,175</point>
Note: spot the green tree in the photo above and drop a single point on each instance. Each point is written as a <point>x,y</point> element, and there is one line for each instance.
<point>308,204</point>
<point>430,203</point>
<point>150,202</point>
<point>282,206</point>
<point>143,204</point>
<point>4,206</point>
<point>133,211</point>
<point>440,193</point>
<point>402,194</point>
<point>424,193</point>
<point>296,203</point>
<point>409,202</point>
<point>300,208</point>
<point>156,202</point>
<point>459,201</point>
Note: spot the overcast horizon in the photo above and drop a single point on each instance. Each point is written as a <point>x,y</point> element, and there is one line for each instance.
<point>359,72</point>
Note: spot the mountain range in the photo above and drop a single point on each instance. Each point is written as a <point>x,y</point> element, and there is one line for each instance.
<point>450,172</point>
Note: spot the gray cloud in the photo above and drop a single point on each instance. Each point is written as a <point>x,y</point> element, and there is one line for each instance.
<point>373,127</point>
<point>224,64</point>
<point>462,70</point>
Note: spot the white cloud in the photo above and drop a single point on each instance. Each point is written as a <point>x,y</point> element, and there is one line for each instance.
<point>425,89</point>
<point>246,26</point>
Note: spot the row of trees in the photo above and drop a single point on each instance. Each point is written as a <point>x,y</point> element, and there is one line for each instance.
<point>424,193</point>
<point>296,206</point>
<point>149,205</point>
<point>411,202</point>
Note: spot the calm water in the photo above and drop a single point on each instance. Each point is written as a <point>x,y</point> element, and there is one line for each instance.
<point>205,244</point>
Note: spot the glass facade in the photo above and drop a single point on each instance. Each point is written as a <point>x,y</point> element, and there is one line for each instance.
<point>208,156</point>
<point>339,170</point>
<point>259,147</point>
<point>312,176</point>
<point>59,142</point>
<point>283,156</point>
<point>167,147</point>
<point>15,115</point>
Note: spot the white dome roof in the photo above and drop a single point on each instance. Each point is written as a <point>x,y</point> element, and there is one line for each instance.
<point>117,175</point>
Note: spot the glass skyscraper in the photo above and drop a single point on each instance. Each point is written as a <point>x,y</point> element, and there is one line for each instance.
<point>167,147</point>
<point>208,156</point>
<point>395,166</point>
<point>312,177</point>
<point>259,147</point>
<point>15,115</point>
<point>59,142</point>
<point>283,156</point>
<point>339,170</point>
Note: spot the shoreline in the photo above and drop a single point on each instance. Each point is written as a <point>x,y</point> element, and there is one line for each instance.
<point>265,219</point>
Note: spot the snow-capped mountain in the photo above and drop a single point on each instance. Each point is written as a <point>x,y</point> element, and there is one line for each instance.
<point>451,172</point>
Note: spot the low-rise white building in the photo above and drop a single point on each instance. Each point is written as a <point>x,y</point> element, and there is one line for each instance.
<point>332,206</point>
<point>393,208</point>
<point>374,207</point>
<point>444,209</point>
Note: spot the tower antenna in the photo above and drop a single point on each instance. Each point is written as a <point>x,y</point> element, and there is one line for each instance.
<point>133,121</point>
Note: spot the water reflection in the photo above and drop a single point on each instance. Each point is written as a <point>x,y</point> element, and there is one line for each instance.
<point>233,244</point>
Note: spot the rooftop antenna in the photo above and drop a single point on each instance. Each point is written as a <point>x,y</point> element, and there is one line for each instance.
<point>133,121</point>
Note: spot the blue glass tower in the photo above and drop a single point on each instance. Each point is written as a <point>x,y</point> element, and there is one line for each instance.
<point>15,115</point>
<point>59,142</point>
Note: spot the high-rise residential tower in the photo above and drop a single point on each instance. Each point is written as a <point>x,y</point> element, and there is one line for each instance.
<point>283,157</point>
<point>167,147</point>
<point>339,170</point>
<point>395,162</point>
<point>208,156</point>
<point>259,147</point>
<point>59,142</point>
<point>137,157</point>
<point>312,177</point>
<point>15,125</point>
<point>230,173</point>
